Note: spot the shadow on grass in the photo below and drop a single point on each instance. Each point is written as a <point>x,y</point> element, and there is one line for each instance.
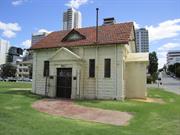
<point>26,93</point>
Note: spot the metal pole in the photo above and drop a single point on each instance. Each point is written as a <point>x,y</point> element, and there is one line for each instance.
<point>46,93</point>
<point>97,14</point>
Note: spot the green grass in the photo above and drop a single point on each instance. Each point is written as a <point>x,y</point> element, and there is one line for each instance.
<point>18,118</point>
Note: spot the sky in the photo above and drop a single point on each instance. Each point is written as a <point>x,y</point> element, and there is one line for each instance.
<point>20,18</point>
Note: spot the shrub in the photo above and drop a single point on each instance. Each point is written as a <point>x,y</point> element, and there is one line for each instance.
<point>178,71</point>
<point>149,80</point>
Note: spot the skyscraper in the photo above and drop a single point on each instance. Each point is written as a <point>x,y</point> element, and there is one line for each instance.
<point>4,47</point>
<point>142,40</point>
<point>72,19</point>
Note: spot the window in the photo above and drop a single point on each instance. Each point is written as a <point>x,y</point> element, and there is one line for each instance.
<point>25,70</point>
<point>107,68</point>
<point>73,36</point>
<point>92,68</point>
<point>46,68</point>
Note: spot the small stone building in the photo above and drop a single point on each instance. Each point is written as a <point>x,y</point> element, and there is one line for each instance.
<point>74,64</point>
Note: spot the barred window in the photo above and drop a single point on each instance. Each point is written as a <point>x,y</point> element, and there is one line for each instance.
<point>46,68</point>
<point>91,67</point>
<point>107,68</point>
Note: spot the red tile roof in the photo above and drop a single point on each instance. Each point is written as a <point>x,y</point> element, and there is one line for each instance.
<point>110,34</point>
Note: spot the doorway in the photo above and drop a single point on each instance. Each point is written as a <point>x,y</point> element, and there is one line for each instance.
<point>64,82</point>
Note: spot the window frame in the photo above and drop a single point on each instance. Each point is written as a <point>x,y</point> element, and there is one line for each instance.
<point>92,68</point>
<point>46,68</point>
<point>107,68</point>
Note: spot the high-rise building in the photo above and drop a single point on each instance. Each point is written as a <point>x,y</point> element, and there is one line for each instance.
<point>37,37</point>
<point>142,40</point>
<point>72,19</point>
<point>173,57</point>
<point>4,48</point>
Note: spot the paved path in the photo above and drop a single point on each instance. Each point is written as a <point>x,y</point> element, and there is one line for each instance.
<point>67,108</point>
<point>168,83</point>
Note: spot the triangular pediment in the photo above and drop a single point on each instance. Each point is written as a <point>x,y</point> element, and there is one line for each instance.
<point>73,35</point>
<point>64,54</point>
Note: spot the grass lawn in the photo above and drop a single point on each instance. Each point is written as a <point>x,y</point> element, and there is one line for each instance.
<point>18,118</point>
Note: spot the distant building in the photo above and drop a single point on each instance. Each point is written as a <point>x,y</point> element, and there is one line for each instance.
<point>24,69</point>
<point>4,47</point>
<point>14,55</point>
<point>173,57</point>
<point>72,19</point>
<point>37,37</point>
<point>109,21</point>
<point>142,40</point>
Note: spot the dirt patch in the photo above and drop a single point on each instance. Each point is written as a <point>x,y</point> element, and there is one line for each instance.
<point>69,109</point>
<point>151,100</point>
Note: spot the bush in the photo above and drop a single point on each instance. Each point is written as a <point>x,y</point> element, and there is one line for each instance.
<point>149,80</point>
<point>8,70</point>
<point>178,71</point>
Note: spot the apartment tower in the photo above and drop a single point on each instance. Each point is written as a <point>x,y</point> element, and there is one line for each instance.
<point>4,48</point>
<point>142,40</point>
<point>72,19</point>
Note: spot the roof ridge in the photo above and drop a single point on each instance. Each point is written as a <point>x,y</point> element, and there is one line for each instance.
<point>109,34</point>
<point>93,27</point>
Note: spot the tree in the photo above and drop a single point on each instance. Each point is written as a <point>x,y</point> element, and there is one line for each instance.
<point>171,68</point>
<point>8,70</point>
<point>165,68</point>
<point>178,71</point>
<point>174,69</point>
<point>176,66</point>
<point>153,66</point>
<point>153,63</point>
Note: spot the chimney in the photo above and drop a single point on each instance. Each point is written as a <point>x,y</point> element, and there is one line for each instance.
<point>109,21</point>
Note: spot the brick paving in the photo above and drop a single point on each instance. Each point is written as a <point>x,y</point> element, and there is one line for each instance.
<point>69,109</point>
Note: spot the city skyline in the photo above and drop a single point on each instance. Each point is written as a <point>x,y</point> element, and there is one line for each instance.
<point>20,18</point>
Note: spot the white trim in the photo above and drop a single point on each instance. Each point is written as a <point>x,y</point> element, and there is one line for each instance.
<point>66,50</point>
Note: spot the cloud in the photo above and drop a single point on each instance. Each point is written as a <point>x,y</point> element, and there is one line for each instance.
<point>164,30</point>
<point>9,29</point>
<point>26,44</point>
<point>136,25</point>
<point>44,30</point>
<point>161,59</point>
<point>163,50</point>
<point>77,3</point>
<point>169,46</point>
<point>9,34</point>
<point>18,2</point>
<point>161,62</point>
